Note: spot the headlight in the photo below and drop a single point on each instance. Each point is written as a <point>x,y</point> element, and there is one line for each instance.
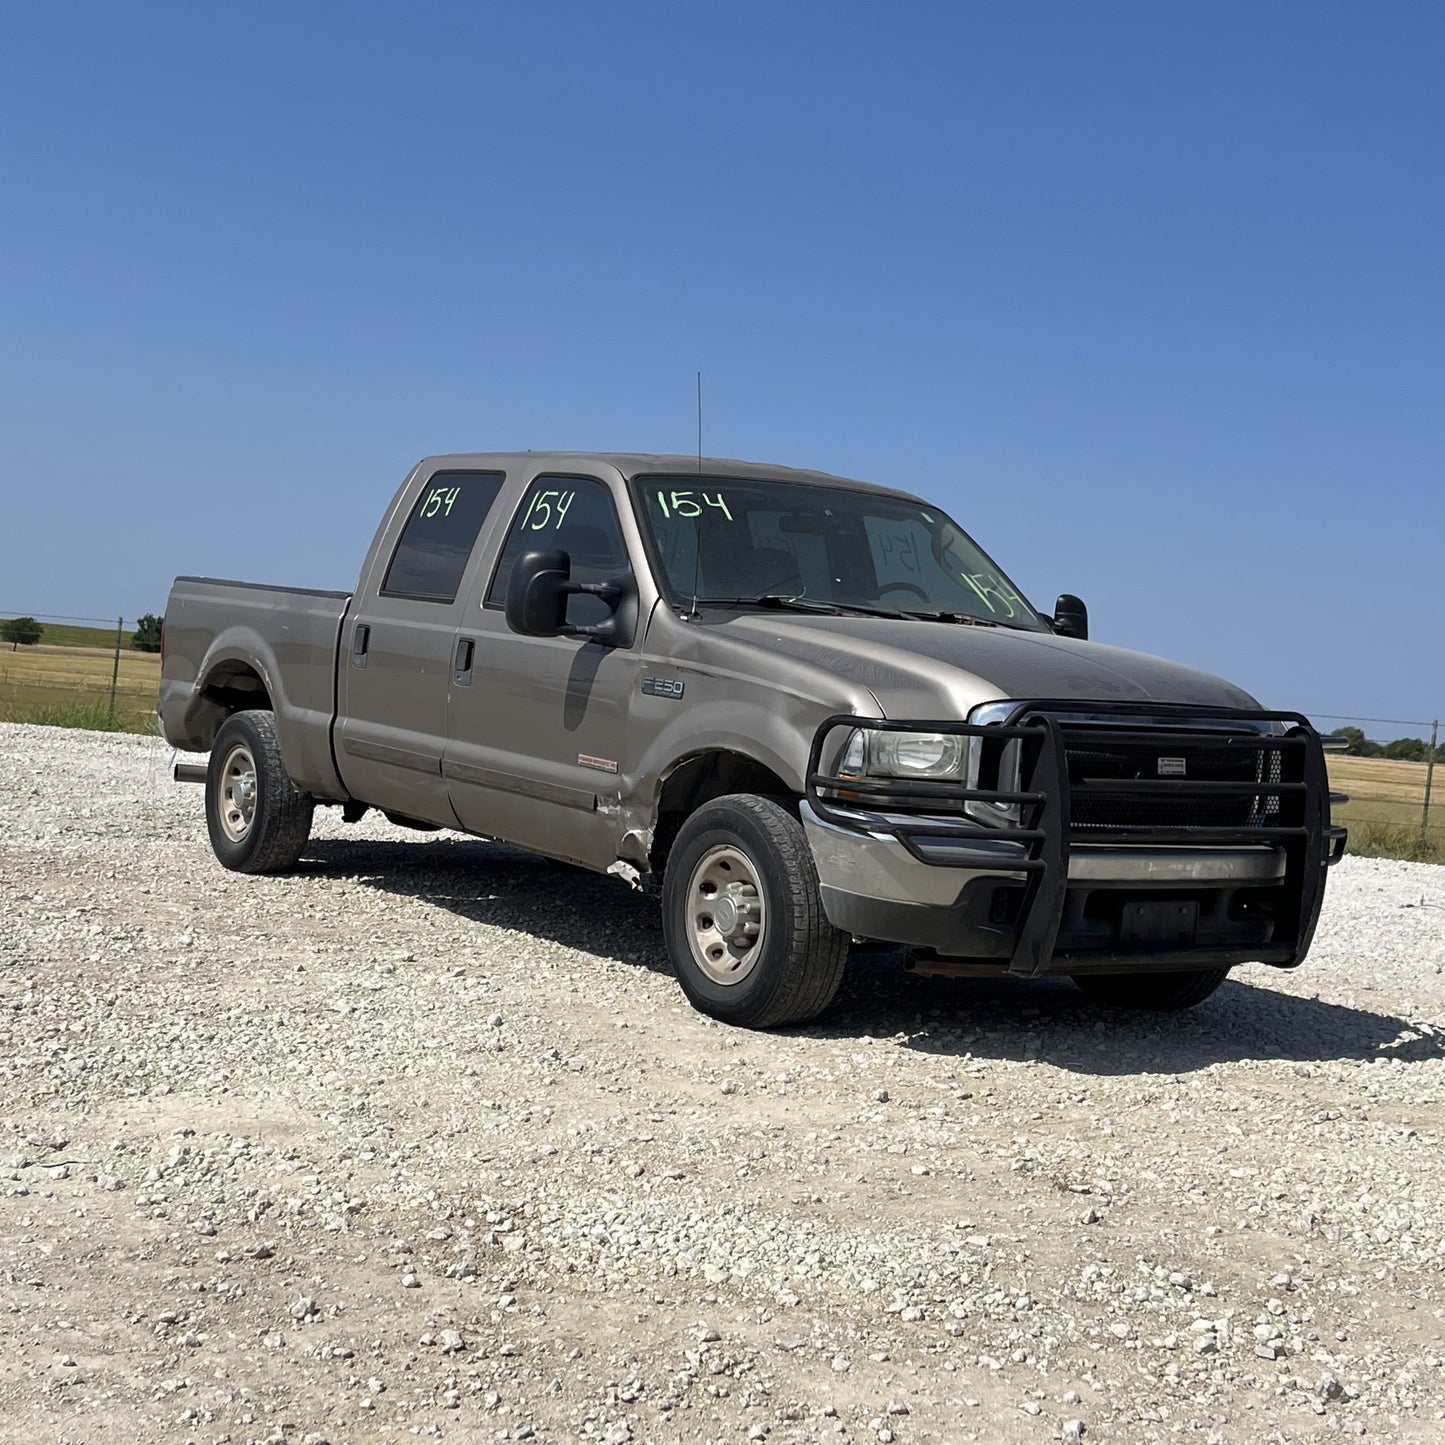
<point>981,763</point>
<point>916,755</point>
<point>902,755</point>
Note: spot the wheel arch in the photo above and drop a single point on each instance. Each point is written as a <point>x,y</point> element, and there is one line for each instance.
<point>236,684</point>
<point>241,673</point>
<point>695,780</point>
<point>230,683</point>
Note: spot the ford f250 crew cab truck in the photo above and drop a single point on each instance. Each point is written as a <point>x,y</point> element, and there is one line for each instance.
<point>806,710</point>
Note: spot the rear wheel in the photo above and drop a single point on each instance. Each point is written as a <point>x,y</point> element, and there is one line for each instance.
<point>743,917</point>
<point>258,821</point>
<point>1167,992</point>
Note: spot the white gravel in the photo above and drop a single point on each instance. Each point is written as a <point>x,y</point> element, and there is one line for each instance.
<point>422,1140</point>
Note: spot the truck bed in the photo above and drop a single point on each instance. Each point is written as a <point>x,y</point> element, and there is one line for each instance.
<point>245,643</point>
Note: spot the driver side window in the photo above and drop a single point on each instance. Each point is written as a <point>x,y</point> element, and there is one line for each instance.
<point>578,515</point>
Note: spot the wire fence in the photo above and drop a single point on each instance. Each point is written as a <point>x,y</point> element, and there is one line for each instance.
<point>100,672</point>
<point>1394,806</point>
<point>90,671</point>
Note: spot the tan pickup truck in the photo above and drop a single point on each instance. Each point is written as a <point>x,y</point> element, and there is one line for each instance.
<point>805,710</point>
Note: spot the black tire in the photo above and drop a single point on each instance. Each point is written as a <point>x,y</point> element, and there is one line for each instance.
<point>799,956</point>
<point>279,824</point>
<point>1165,992</point>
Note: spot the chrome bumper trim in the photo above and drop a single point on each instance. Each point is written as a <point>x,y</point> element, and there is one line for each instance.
<point>873,865</point>
<point>1105,863</point>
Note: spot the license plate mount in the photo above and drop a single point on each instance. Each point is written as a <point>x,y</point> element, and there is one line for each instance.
<point>1159,923</point>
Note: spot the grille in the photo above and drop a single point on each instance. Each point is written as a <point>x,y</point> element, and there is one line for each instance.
<point>1096,759</point>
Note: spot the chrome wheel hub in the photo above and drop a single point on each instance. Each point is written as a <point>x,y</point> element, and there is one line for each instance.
<point>726,915</point>
<point>236,793</point>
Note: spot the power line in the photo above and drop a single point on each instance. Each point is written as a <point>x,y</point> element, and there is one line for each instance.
<point>1403,722</point>
<point>55,617</point>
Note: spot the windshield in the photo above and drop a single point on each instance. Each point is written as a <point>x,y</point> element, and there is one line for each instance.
<point>723,540</point>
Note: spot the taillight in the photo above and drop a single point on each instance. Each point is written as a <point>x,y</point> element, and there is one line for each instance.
<point>163,642</point>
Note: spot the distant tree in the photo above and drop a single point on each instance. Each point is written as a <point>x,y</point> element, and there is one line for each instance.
<point>1408,750</point>
<point>147,633</point>
<point>1360,746</point>
<point>1357,740</point>
<point>21,632</point>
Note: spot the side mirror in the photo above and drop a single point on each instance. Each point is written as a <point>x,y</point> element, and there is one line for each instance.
<point>537,593</point>
<point>1071,617</point>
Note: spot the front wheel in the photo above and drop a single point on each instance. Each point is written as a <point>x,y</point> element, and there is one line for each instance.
<point>743,917</point>
<point>1166,992</point>
<point>258,821</point>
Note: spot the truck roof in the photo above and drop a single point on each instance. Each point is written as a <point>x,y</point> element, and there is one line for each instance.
<point>631,464</point>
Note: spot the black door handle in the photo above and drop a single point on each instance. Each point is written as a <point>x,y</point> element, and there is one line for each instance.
<point>360,642</point>
<point>462,669</point>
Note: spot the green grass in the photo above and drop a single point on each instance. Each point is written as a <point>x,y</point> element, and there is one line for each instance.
<point>60,634</point>
<point>91,716</point>
<point>69,707</point>
<point>1397,840</point>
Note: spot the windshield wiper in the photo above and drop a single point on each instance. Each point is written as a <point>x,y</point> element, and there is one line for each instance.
<point>806,604</point>
<point>817,604</point>
<point>963,618</point>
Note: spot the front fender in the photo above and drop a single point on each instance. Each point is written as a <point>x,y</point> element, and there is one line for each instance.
<point>767,724</point>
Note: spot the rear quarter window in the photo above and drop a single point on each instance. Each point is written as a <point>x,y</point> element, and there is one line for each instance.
<point>439,536</point>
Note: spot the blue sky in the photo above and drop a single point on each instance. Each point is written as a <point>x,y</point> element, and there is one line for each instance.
<point>1151,297</point>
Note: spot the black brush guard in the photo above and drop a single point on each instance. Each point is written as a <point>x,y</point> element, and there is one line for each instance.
<point>1038,845</point>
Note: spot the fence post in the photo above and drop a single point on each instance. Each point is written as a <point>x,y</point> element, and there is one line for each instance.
<point>115,666</point>
<point>1429,778</point>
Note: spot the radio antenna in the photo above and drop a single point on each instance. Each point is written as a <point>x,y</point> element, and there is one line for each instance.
<point>696,530</point>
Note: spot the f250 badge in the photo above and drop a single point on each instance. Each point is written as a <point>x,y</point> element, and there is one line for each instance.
<point>662,687</point>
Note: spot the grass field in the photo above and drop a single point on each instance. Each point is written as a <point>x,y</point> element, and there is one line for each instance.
<point>70,687</point>
<point>1384,811</point>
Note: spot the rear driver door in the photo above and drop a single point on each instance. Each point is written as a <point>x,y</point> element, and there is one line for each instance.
<point>398,649</point>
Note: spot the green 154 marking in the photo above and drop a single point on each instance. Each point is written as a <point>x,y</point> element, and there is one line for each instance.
<point>989,587</point>
<point>547,510</point>
<point>685,505</point>
<point>439,499</point>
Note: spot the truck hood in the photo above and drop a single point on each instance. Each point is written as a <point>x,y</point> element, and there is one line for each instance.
<point>940,669</point>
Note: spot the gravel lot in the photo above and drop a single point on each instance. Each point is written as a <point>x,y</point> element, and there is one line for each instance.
<point>422,1140</point>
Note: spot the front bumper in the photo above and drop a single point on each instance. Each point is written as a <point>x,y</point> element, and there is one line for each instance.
<point>903,862</point>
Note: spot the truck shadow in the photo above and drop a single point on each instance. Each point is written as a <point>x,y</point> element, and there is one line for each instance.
<point>1050,1021</point>
<point>503,887</point>
<point>1045,1020</point>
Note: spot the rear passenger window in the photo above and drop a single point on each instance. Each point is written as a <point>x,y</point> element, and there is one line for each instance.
<point>576,514</point>
<point>439,535</point>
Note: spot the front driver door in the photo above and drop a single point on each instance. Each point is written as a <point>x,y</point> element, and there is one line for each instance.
<point>537,734</point>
